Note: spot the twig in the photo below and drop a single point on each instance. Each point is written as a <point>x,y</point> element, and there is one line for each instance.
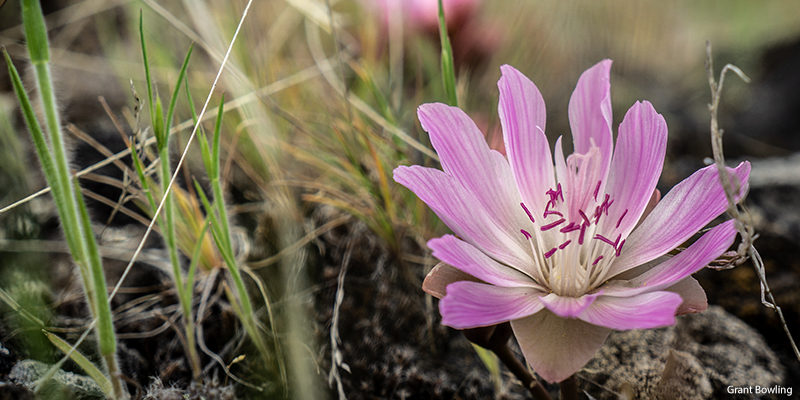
<point>336,354</point>
<point>743,220</point>
<point>521,372</point>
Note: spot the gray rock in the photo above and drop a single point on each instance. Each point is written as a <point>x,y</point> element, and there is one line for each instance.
<point>698,358</point>
<point>64,385</point>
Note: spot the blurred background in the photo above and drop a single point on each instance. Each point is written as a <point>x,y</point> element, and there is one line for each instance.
<point>321,99</point>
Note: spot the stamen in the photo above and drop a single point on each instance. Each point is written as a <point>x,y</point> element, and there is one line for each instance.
<point>527,212</point>
<point>621,217</point>
<point>597,260</point>
<point>619,249</point>
<point>554,195</point>
<point>585,218</point>
<point>550,253</point>
<point>569,228</point>
<point>599,210</point>
<point>553,225</point>
<point>527,235</point>
<point>606,240</point>
<point>583,230</point>
<point>606,204</point>
<point>564,244</point>
<point>596,190</point>
<point>548,212</point>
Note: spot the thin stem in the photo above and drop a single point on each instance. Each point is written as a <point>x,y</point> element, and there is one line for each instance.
<point>521,372</point>
<point>569,389</point>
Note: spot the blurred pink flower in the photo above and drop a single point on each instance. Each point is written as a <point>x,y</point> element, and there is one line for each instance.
<point>570,251</point>
<point>424,14</point>
<point>472,39</point>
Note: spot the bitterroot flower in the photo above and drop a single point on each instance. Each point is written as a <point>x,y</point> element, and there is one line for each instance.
<point>565,251</point>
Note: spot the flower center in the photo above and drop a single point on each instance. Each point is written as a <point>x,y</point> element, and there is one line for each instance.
<point>574,241</point>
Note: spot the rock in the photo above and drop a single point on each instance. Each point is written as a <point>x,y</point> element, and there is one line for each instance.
<point>698,358</point>
<point>64,385</point>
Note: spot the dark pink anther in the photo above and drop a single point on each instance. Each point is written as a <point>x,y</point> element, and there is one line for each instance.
<point>597,260</point>
<point>553,224</point>
<point>527,212</point>
<point>554,195</point>
<point>527,235</point>
<point>621,217</point>
<point>619,249</point>
<point>605,240</point>
<point>550,253</point>
<point>598,211</point>
<point>585,218</point>
<point>548,212</point>
<point>606,204</point>
<point>583,231</point>
<point>564,244</point>
<point>597,190</point>
<point>570,227</point>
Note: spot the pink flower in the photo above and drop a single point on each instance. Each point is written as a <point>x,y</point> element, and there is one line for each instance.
<point>570,251</point>
<point>472,38</point>
<point>424,14</point>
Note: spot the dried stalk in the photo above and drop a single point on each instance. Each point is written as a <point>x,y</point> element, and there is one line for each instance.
<point>741,215</point>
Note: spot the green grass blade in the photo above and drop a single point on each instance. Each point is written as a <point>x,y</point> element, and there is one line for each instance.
<point>196,257</point>
<point>72,211</point>
<point>146,63</point>
<point>137,163</point>
<point>160,132</point>
<point>18,308</point>
<point>215,144</point>
<point>174,99</point>
<point>492,363</point>
<point>448,67</point>
<point>39,141</point>
<point>83,362</point>
<point>105,323</point>
<point>35,31</point>
<point>191,102</point>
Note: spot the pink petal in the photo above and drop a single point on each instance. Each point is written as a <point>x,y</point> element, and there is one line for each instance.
<point>693,295</point>
<point>568,307</point>
<point>470,304</point>
<point>556,347</point>
<point>435,283</point>
<point>466,156</point>
<point>469,259</point>
<point>590,112</point>
<point>635,167</point>
<point>523,117</point>
<point>464,215</point>
<point>643,311</point>
<point>706,249</point>
<point>689,206</point>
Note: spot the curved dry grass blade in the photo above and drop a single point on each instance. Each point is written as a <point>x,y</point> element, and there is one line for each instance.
<point>743,219</point>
